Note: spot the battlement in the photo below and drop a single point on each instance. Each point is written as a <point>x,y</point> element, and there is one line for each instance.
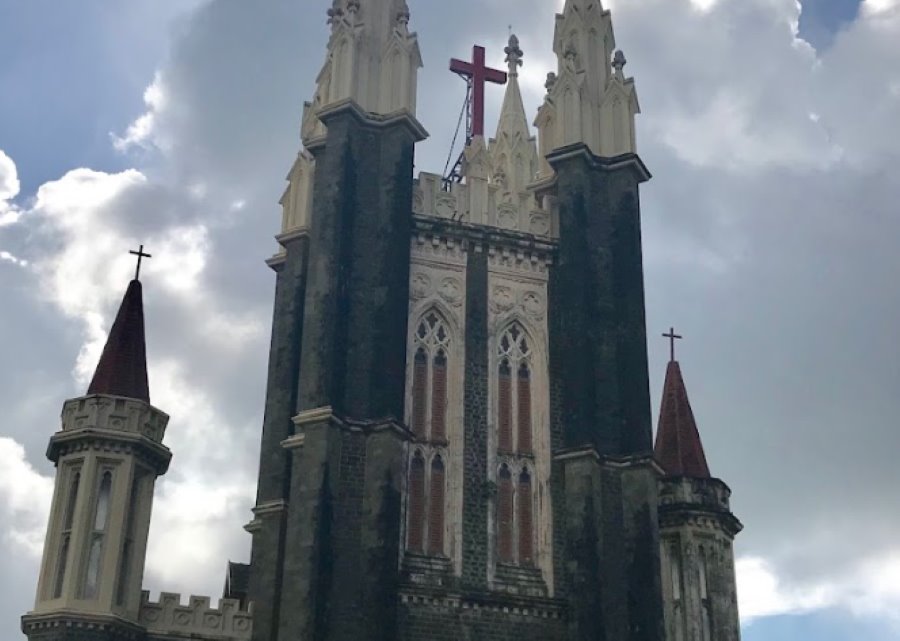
<point>116,413</point>
<point>500,208</point>
<point>197,618</point>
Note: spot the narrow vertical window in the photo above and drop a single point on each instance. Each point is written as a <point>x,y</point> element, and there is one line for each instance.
<point>704,594</point>
<point>416,504</point>
<point>125,570</point>
<point>675,570</point>
<point>524,401</point>
<point>504,410</point>
<point>526,520</point>
<point>98,533</point>
<point>505,517</point>
<point>439,398</point>
<point>65,540</point>
<point>436,509</point>
<point>420,391</point>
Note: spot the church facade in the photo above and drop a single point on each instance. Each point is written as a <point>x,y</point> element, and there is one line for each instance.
<point>457,440</point>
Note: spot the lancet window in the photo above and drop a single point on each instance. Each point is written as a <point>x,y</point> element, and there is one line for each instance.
<point>515,502</point>
<point>427,505</point>
<point>514,397</point>
<point>431,363</point>
<point>98,534</point>
<point>65,539</point>
<point>429,385</point>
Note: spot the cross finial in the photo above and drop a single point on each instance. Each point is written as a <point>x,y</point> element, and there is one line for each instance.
<point>672,336</point>
<point>513,55</point>
<point>619,63</point>
<point>140,256</point>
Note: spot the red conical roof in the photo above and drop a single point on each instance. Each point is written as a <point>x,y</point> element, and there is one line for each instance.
<point>122,370</point>
<point>678,446</point>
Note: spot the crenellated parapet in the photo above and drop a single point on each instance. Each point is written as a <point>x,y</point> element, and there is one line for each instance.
<point>481,202</point>
<point>112,423</point>
<point>169,618</point>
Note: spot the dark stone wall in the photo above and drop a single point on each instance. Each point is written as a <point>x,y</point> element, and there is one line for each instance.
<point>342,533</point>
<point>476,411</point>
<point>354,340</point>
<point>267,553</point>
<point>440,619</point>
<point>598,343</point>
<point>605,521</point>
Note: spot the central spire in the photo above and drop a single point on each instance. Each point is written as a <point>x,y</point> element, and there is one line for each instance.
<point>122,370</point>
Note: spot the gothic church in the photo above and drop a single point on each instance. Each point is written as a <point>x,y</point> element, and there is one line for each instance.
<point>457,440</point>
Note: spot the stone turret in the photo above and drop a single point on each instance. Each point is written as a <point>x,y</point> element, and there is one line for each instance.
<point>589,100</point>
<point>108,456</point>
<point>697,528</point>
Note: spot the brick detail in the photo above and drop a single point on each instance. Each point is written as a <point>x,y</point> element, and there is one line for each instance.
<point>475,488</point>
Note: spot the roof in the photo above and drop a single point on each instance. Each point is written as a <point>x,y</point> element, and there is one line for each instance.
<point>122,370</point>
<point>679,449</point>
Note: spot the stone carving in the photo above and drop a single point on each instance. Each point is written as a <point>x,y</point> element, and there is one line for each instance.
<point>502,299</point>
<point>445,206</point>
<point>507,216</point>
<point>540,224</point>
<point>533,304</point>
<point>420,286</point>
<point>451,291</point>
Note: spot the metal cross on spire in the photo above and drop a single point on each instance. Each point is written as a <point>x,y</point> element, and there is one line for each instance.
<point>672,336</point>
<point>478,74</point>
<point>140,256</point>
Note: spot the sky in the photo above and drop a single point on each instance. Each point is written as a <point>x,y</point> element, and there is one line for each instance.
<point>772,128</point>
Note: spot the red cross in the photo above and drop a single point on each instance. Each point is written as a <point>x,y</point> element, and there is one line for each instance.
<point>479,74</point>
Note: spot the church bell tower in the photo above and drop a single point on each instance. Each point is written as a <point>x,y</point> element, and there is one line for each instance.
<point>108,456</point>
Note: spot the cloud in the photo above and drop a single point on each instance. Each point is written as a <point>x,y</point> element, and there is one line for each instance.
<point>9,189</point>
<point>25,497</point>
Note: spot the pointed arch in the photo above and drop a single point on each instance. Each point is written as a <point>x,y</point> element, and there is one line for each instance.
<point>514,395</point>
<point>431,344</point>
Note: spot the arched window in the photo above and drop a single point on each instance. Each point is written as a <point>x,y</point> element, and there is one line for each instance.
<point>429,373</point>
<point>439,397</point>
<point>525,524</point>
<point>504,409</point>
<point>66,534</point>
<point>436,509</point>
<point>514,403</point>
<point>524,402</point>
<point>505,516</point>
<point>420,393</point>
<point>416,526</point>
<point>98,533</point>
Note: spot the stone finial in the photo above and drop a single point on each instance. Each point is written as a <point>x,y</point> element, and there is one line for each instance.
<point>551,82</point>
<point>352,7</point>
<point>619,63</point>
<point>335,13</point>
<point>403,14</point>
<point>513,55</point>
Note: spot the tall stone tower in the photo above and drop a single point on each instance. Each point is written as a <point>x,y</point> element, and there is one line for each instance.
<point>457,441</point>
<point>697,528</point>
<point>108,456</point>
